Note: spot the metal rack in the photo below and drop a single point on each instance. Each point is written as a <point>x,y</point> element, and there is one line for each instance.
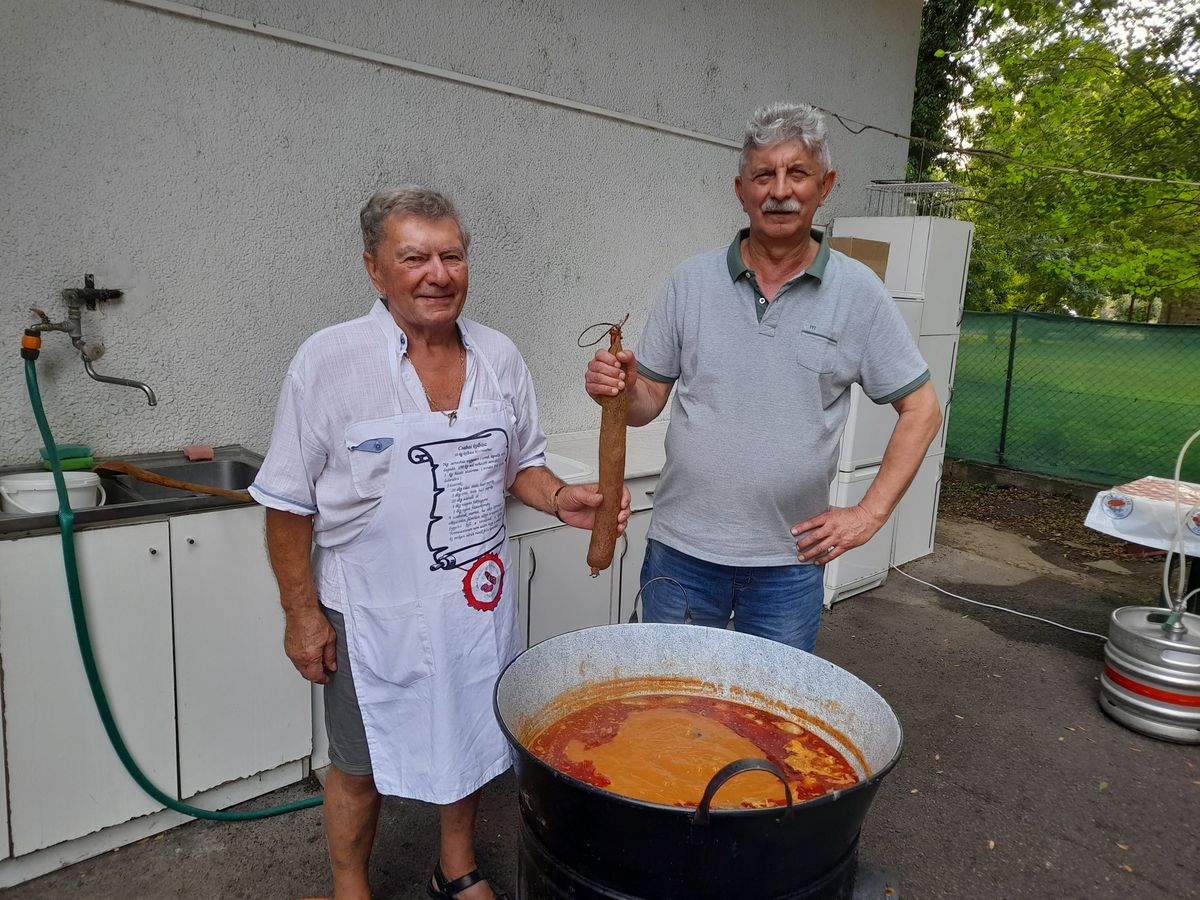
<point>915,198</point>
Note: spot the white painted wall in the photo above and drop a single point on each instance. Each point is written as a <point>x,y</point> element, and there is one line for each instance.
<point>216,175</point>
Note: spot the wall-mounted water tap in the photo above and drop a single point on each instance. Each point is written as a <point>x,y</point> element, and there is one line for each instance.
<point>89,294</point>
<point>76,298</point>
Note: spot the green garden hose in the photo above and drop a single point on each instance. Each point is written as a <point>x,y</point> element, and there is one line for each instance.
<point>66,521</point>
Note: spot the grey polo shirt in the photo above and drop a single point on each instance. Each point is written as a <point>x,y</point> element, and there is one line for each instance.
<point>762,393</point>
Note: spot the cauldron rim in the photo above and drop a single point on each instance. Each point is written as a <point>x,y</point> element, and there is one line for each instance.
<point>722,813</point>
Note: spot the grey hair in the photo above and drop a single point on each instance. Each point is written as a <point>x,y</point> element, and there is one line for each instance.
<point>779,123</point>
<point>409,200</point>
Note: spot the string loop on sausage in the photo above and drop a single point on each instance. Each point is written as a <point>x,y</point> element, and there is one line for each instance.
<point>603,334</point>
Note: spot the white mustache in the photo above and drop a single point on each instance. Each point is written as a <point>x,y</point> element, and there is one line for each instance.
<point>789,205</point>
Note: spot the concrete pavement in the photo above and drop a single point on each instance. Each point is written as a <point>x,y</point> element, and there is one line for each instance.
<point>1013,784</point>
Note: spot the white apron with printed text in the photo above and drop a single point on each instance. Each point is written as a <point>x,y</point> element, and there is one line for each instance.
<point>430,609</point>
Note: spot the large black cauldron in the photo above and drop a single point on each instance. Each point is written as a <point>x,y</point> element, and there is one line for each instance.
<point>581,842</point>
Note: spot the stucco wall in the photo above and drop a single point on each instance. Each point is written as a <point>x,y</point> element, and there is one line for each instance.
<point>216,175</point>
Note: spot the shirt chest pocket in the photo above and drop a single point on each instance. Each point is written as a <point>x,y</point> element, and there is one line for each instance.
<point>371,446</point>
<point>816,349</point>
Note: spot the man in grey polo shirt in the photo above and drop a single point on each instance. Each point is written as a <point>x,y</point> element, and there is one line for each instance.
<point>762,340</point>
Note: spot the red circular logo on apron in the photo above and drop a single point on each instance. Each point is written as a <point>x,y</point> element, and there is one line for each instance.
<point>484,583</point>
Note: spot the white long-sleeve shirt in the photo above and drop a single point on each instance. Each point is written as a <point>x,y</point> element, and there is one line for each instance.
<point>341,376</point>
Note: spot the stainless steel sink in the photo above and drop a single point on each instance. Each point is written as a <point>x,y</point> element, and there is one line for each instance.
<point>116,493</point>
<point>230,474</point>
<point>233,468</point>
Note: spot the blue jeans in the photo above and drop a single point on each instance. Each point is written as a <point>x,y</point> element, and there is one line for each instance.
<point>782,603</point>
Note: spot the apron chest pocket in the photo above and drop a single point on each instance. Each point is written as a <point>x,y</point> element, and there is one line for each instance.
<point>393,646</point>
<point>370,447</point>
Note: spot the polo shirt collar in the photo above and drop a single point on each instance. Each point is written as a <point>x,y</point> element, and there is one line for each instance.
<point>738,267</point>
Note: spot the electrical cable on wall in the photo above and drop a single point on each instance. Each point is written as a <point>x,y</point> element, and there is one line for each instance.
<point>1001,156</point>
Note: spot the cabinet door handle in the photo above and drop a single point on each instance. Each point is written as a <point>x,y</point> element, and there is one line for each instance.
<point>154,551</point>
<point>620,580</point>
<point>532,571</point>
<point>191,540</point>
<point>529,596</point>
<point>650,493</point>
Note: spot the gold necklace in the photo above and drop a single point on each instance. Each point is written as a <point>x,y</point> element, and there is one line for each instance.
<point>451,415</point>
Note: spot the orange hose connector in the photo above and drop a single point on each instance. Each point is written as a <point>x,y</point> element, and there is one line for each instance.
<point>31,344</point>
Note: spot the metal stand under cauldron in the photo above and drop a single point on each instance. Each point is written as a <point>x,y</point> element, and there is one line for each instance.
<point>584,843</point>
<point>541,877</point>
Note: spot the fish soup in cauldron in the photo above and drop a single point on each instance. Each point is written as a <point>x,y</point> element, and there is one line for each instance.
<point>665,747</point>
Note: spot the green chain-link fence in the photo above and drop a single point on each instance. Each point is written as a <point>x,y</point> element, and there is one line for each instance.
<point>1106,402</point>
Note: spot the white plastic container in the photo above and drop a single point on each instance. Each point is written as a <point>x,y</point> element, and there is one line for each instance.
<point>28,493</point>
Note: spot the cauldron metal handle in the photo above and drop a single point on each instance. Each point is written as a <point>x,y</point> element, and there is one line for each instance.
<point>687,606</point>
<point>737,767</point>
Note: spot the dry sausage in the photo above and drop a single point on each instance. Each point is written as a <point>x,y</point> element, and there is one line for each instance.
<point>614,416</point>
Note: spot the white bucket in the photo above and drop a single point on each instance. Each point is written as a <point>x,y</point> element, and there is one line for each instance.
<point>33,492</point>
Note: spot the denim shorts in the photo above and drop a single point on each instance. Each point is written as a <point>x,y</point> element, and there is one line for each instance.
<point>782,603</point>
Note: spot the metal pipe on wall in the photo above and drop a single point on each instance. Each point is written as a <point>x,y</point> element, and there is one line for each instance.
<point>395,62</point>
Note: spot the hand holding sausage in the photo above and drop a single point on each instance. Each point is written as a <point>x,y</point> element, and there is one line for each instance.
<point>606,374</point>
<point>578,503</point>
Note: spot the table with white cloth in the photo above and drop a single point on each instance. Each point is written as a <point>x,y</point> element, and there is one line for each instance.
<point>1147,512</point>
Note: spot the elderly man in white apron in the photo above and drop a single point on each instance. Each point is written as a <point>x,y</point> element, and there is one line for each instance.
<point>395,438</point>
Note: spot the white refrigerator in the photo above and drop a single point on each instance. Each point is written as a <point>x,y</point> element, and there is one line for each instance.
<point>926,276</point>
<point>868,428</point>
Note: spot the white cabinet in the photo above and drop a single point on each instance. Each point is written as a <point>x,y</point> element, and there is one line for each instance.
<point>927,256</point>
<point>928,259</point>
<point>633,553</point>
<point>556,591</point>
<point>916,514</point>
<point>940,352</point>
<point>513,579</point>
<point>863,567</point>
<point>183,615</point>
<point>947,258</point>
<point>64,779</point>
<point>632,546</point>
<point>560,593</point>
<point>235,686</point>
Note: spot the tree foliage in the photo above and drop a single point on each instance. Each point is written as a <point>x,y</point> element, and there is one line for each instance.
<point>1099,85</point>
<point>940,75</point>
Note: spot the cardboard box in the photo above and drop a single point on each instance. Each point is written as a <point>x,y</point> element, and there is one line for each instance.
<point>874,254</point>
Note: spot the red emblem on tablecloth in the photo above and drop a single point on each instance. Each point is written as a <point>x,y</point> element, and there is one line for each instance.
<point>1117,505</point>
<point>484,583</point>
